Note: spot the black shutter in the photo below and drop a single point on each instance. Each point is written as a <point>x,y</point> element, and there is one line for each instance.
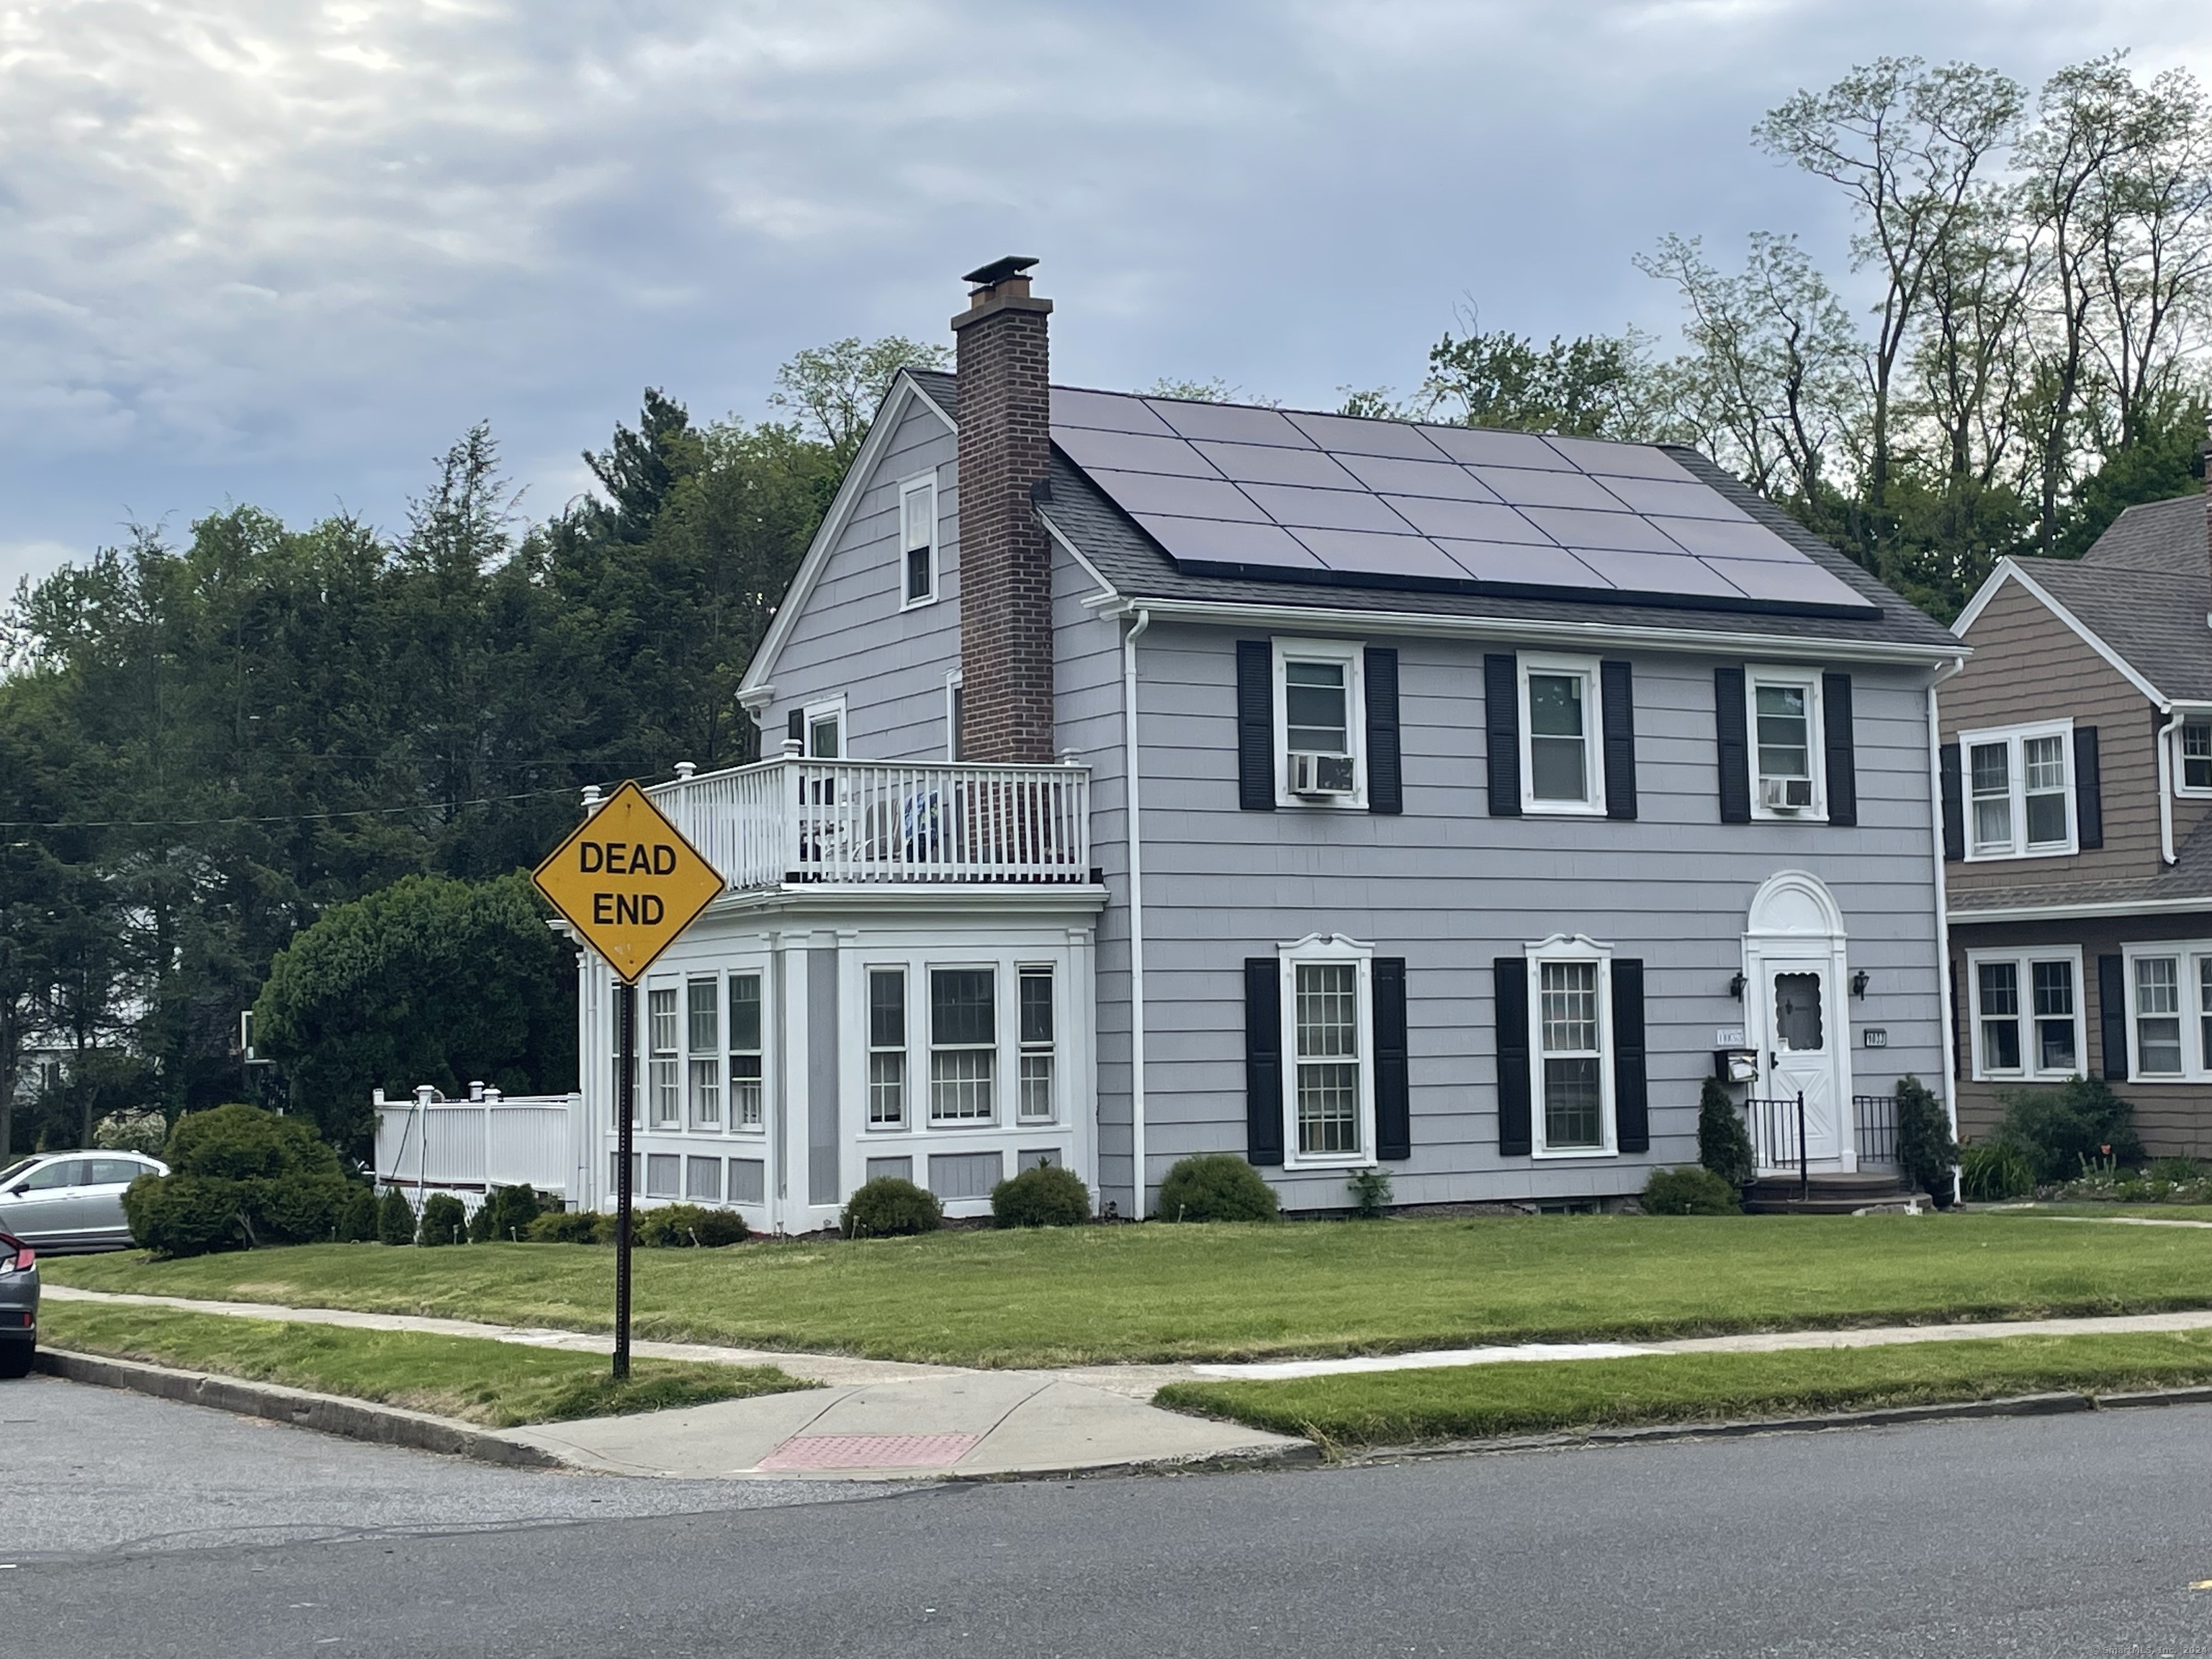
<point>2089,790</point>
<point>1631,1101</point>
<point>1501,717</point>
<point>1735,745</point>
<point>1393,1106</point>
<point>1255,725</point>
<point>794,724</point>
<point>1954,804</point>
<point>1842,759</point>
<point>1385,788</point>
<point>1617,705</point>
<point>1263,1061</point>
<point>1509,977</point>
<point>2112,1016</point>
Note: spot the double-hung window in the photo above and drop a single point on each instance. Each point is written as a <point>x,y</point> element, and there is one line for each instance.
<point>2168,986</point>
<point>1562,762</point>
<point>887,1048</point>
<point>2157,987</point>
<point>2027,1013</point>
<point>1320,724</point>
<point>1785,742</point>
<point>2021,801</point>
<point>825,730</point>
<point>963,1039</point>
<point>1037,1100</point>
<point>2193,776</point>
<point>703,1012</point>
<point>1570,1043</point>
<point>917,542</point>
<point>746,1111</point>
<point>664,1075</point>
<point>1328,1001</point>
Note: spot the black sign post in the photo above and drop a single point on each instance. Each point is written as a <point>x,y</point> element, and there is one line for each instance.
<point>625,1114</point>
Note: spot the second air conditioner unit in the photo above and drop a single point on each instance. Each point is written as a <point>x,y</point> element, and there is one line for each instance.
<point>1785,794</point>
<point>1316,774</point>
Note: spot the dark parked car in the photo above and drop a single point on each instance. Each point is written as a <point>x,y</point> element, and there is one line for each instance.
<point>19,1306</point>
<point>71,1200</point>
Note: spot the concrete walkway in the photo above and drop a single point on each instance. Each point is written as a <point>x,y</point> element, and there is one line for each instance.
<point>877,1417</point>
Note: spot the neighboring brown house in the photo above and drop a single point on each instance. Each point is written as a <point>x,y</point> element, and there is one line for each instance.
<point>2076,764</point>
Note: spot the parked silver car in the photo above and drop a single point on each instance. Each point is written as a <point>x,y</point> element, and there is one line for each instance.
<point>71,1200</point>
<point>19,1306</point>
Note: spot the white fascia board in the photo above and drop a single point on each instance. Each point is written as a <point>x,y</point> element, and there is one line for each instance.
<point>1106,589</point>
<point>752,688</point>
<point>2063,911</point>
<point>2008,570</point>
<point>920,901</point>
<point>1588,636</point>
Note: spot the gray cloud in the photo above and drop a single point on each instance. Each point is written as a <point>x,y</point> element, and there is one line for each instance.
<point>283,251</point>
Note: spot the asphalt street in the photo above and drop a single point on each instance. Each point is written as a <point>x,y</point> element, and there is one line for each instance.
<point>139,1527</point>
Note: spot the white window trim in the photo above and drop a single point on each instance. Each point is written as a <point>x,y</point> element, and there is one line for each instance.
<point>1571,947</point>
<point>953,685</point>
<point>908,488</point>
<point>647,1055</point>
<point>1593,805</point>
<point>1051,1051</point>
<point>2194,1070</point>
<point>815,711</point>
<point>2023,956</point>
<point>2014,737</point>
<point>2178,772</point>
<point>1350,652</point>
<point>1816,744</point>
<point>1327,948</point>
<point>747,1133</point>
<point>920,1109</point>
<point>868,1050</point>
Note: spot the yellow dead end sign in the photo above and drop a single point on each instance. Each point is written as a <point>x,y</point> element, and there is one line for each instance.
<point>627,882</point>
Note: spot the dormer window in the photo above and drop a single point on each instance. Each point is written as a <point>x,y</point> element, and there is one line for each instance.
<point>918,542</point>
<point>2196,755</point>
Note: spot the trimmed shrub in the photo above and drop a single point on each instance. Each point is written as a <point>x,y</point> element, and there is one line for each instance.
<point>1047,1196</point>
<point>1990,1172</point>
<point>503,1215</point>
<point>444,1220</point>
<point>1371,1191</point>
<point>357,1217</point>
<point>571,1227</point>
<point>888,1207</point>
<point>687,1226</point>
<point>395,1218</point>
<point>1925,1150</point>
<point>279,1178</point>
<point>1691,1191</point>
<point>185,1215</point>
<point>1216,1187</point>
<point>1724,1143</point>
<point>2060,1132</point>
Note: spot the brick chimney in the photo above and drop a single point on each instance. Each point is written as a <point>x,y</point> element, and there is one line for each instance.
<point>1005,559</point>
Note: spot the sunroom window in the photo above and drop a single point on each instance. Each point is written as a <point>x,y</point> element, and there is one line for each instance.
<point>745,1051</point>
<point>887,1048</point>
<point>703,1012</point>
<point>963,1035</point>
<point>665,1075</point>
<point>1036,1041</point>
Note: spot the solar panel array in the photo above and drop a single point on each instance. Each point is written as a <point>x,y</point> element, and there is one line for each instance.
<point>1274,495</point>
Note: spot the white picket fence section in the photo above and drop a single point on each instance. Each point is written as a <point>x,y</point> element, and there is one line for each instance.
<point>466,1147</point>
<point>868,822</point>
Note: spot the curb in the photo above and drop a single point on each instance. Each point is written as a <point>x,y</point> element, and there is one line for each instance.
<point>354,1420</point>
<point>2024,1405</point>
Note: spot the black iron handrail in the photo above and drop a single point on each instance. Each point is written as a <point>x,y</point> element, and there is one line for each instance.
<point>1778,1136</point>
<point>1876,1116</point>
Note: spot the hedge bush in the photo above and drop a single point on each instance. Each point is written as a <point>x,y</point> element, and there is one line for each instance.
<point>273,1175</point>
<point>1925,1151</point>
<point>1691,1191</point>
<point>444,1220</point>
<point>395,1218</point>
<point>1216,1187</point>
<point>1046,1196</point>
<point>357,1217</point>
<point>571,1227</point>
<point>888,1207</point>
<point>504,1215</point>
<point>1724,1143</point>
<point>687,1226</point>
<point>2062,1131</point>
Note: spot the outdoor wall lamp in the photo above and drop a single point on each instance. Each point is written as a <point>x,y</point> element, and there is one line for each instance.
<point>1859,983</point>
<point>1735,987</point>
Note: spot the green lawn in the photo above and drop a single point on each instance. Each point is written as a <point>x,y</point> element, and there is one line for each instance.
<point>1158,1291</point>
<point>1471,1402</point>
<point>501,1384</point>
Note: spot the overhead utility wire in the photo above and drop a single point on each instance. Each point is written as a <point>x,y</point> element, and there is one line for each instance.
<point>279,817</point>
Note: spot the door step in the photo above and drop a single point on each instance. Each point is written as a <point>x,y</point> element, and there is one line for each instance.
<point>1830,1194</point>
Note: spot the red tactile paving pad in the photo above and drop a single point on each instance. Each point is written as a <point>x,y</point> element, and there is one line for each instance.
<point>869,1451</point>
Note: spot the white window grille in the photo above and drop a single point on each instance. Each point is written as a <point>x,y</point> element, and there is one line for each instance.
<point>2158,1016</point>
<point>1558,739</point>
<point>963,1045</point>
<point>2028,1014</point>
<point>745,1051</point>
<point>918,542</point>
<point>1037,1100</point>
<point>665,1075</point>
<point>1327,1058</point>
<point>887,1048</point>
<point>2019,788</point>
<point>1573,1056</point>
<point>2197,756</point>
<point>702,1020</point>
<point>1320,724</point>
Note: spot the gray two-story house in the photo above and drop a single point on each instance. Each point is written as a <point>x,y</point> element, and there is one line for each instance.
<point>1161,777</point>
<point>2077,769</point>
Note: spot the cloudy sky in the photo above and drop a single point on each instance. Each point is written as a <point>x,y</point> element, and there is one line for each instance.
<point>285,251</point>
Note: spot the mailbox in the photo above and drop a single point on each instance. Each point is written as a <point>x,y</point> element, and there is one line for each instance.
<point>1735,1065</point>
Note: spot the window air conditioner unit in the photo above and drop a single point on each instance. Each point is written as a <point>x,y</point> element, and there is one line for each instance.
<point>1785,794</point>
<point>1320,774</point>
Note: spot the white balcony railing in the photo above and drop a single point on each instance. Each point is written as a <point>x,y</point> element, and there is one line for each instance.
<point>868,822</point>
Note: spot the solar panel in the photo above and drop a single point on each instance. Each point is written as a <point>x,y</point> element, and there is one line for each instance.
<point>1526,487</point>
<point>1802,583</point>
<point>1683,500</point>
<point>1268,464</point>
<point>1191,498</point>
<point>1217,542</point>
<point>1611,460</point>
<point>1343,435</point>
<point>1719,538</point>
<point>1478,446</point>
<point>1327,509</point>
<point>1109,411</point>
<point>1229,422</point>
<point>1572,527</point>
<point>1362,552</point>
<point>1524,566</point>
<point>1475,521</point>
<point>1128,451</point>
<point>1394,476</point>
<point>1666,576</point>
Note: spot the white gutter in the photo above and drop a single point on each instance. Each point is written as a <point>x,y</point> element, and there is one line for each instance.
<point>1136,913</point>
<point>2166,782</point>
<point>1942,904</point>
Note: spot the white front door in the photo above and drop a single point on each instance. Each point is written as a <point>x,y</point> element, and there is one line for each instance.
<point>1806,1045</point>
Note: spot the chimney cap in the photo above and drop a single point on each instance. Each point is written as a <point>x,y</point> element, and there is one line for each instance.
<point>990,275</point>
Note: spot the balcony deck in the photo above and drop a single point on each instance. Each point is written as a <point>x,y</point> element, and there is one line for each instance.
<point>794,822</point>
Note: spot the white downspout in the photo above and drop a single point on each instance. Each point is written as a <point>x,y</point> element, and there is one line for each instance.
<point>2165,784</point>
<point>1942,904</point>
<point>1136,913</point>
